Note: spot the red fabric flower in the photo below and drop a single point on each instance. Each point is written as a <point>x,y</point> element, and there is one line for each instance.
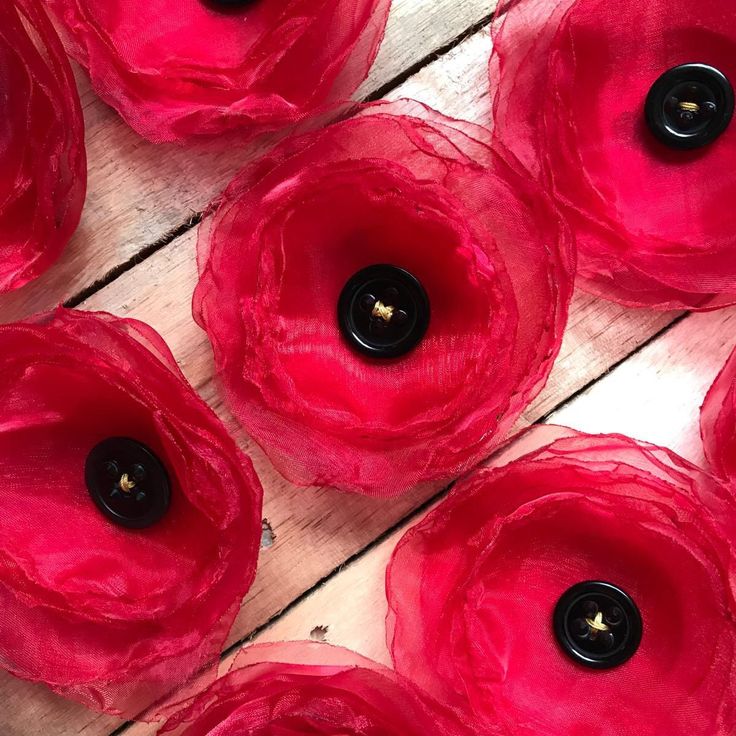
<point>176,69</point>
<point>653,223</point>
<point>110,616</point>
<point>718,422</point>
<point>422,194</point>
<point>473,587</point>
<point>43,166</point>
<point>310,688</point>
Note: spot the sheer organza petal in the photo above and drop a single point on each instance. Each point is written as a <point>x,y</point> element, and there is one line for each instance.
<point>43,167</point>
<point>419,191</point>
<point>291,688</point>
<point>718,422</point>
<point>110,616</point>
<point>472,589</point>
<point>652,224</point>
<point>176,70</point>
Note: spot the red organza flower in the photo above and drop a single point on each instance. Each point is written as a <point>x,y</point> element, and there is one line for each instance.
<point>718,422</point>
<point>585,588</point>
<point>633,131</point>
<point>310,688</point>
<point>43,166</point>
<point>383,297</point>
<point>176,69</point>
<point>131,523</point>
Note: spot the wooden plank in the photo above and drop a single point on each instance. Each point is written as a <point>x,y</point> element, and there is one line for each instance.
<point>317,530</point>
<point>319,527</point>
<point>653,396</point>
<point>139,192</point>
<point>349,609</point>
<point>159,292</point>
<point>656,395</point>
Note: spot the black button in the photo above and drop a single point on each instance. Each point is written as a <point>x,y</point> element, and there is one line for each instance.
<point>689,106</point>
<point>127,482</point>
<point>227,5</point>
<point>383,311</point>
<point>597,625</point>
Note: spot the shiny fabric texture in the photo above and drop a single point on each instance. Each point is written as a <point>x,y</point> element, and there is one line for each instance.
<point>718,422</point>
<point>653,225</point>
<point>296,688</point>
<point>472,589</point>
<point>180,69</point>
<point>419,191</point>
<point>43,167</point>
<point>111,617</point>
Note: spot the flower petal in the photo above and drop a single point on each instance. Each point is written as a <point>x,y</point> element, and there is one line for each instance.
<point>473,587</point>
<point>424,194</point>
<point>572,83</point>
<point>118,616</point>
<point>42,155</point>
<point>179,70</point>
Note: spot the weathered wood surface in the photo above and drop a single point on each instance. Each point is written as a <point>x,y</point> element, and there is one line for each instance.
<point>316,530</point>
<point>138,194</point>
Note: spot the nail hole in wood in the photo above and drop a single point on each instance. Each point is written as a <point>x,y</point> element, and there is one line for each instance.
<point>319,633</point>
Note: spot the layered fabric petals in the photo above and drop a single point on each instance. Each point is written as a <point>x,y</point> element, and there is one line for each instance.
<point>198,68</point>
<point>131,522</point>
<point>718,422</point>
<point>472,275</point>
<point>43,166</point>
<point>479,591</point>
<point>580,89</point>
<point>294,688</point>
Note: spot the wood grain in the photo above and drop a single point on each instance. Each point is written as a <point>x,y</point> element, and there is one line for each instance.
<point>139,193</point>
<point>315,530</point>
<point>656,395</point>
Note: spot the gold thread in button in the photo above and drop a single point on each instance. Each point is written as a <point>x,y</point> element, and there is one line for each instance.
<point>383,311</point>
<point>596,624</point>
<point>126,483</point>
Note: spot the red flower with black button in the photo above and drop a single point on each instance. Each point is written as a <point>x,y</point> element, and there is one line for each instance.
<point>383,297</point>
<point>586,587</point>
<point>718,422</point>
<point>306,687</point>
<point>131,522</point>
<point>43,162</point>
<point>627,117</point>
<point>176,70</point>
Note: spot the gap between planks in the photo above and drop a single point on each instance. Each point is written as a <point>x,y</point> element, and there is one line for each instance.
<point>597,330</point>
<point>195,219</point>
<point>318,527</point>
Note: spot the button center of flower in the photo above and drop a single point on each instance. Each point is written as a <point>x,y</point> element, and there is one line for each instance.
<point>127,482</point>
<point>689,106</point>
<point>383,311</point>
<point>597,625</point>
